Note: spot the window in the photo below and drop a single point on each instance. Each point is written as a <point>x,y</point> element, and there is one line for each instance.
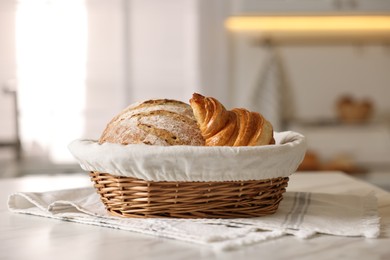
<point>51,39</point>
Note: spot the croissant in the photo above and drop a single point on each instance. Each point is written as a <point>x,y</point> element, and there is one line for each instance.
<point>236,127</point>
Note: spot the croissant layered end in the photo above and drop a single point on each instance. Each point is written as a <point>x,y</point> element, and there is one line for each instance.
<point>237,127</point>
<point>211,111</point>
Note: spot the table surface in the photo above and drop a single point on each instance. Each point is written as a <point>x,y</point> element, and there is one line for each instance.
<point>31,237</point>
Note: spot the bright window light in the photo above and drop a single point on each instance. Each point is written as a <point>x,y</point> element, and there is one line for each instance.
<point>51,39</point>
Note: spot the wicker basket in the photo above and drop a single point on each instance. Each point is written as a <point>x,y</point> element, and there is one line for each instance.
<point>141,181</point>
<point>130,197</point>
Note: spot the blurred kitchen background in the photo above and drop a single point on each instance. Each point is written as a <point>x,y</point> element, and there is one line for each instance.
<point>68,66</point>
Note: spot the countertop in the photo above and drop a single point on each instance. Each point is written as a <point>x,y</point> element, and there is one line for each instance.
<point>32,237</point>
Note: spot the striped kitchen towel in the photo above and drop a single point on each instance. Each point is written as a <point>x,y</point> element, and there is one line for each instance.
<point>300,214</point>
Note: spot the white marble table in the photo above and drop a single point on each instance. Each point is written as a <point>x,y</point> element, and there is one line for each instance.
<point>32,237</point>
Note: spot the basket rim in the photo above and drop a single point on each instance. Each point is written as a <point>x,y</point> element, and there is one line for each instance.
<point>193,163</point>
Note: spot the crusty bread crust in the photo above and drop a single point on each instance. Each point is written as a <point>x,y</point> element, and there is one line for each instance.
<point>154,122</point>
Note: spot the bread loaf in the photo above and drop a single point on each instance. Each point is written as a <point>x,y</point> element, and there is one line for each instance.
<point>154,122</point>
<point>236,127</point>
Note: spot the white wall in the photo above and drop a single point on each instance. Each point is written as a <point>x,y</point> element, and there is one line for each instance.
<point>107,86</point>
<point>214,50</point>
<point>7,67</point>
<point>163,52</point>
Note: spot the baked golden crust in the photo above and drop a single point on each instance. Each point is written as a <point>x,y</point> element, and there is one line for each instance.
<point>154,122</point>
<point>236,127</point>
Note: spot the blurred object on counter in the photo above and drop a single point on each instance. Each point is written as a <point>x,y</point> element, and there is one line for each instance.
<point>340,162</point>
<point>311,162</point>
<point>351,110</point>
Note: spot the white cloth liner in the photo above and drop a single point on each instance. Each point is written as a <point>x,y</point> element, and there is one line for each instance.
<point>300,214</point>
<point>193,163</point>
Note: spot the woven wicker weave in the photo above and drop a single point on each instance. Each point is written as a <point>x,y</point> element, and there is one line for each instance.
<point>129,197</point>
